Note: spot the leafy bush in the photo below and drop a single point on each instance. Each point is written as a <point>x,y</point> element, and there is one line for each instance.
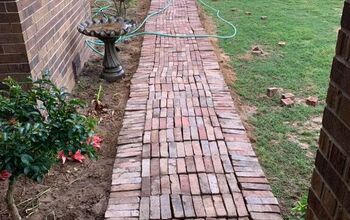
<point>35,126</point>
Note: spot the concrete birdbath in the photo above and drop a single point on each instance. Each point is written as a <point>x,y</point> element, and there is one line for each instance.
<point>108,30</point>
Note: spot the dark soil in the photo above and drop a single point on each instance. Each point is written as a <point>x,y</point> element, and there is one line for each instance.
<point>80,191</point>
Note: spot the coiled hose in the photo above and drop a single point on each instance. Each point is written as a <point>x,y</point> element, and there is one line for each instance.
<point>106,8</point>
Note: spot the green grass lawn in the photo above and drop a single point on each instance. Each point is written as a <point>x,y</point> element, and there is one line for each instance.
<point>286,138</point>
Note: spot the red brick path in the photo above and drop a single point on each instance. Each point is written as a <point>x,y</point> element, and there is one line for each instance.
<point>183,151</point>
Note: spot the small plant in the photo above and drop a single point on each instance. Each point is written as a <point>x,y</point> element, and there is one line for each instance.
<point>97,101</point>
<point>36,127</point>
<point>300,208</point>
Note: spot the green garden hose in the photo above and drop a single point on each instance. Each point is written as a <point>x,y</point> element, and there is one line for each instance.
<point>105,8</point>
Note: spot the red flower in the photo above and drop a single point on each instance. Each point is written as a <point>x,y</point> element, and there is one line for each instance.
<point>95,141</point>
<point>61,156</point>
<point>4,175</point>
<point>97,146</point>
<point>78,156</point>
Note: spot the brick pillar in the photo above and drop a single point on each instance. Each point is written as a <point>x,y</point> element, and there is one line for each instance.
<point>329,195</point>
<point>37,35</point>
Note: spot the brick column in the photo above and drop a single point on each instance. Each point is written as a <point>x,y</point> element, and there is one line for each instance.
<point>37,35</point>
<point>329,195</point>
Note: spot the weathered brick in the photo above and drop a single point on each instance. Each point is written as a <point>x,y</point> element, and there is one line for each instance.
<point>165,206</point>
<point>177,206</point>
<point>190,165</point>
<point>185,185</point>
<point>175,184</point>
<point>199,206</point>
<point>188,206</point>
<point>240,205</point>
<point>144,208</point>
<point>204,183</point>
<point>194,184</point>
<point>209,206</point>
<point>165,185</point>
<point>219,206</point>
<point>155,210</point>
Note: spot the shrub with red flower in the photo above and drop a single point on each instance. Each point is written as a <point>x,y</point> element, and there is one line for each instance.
<point>37,126</point>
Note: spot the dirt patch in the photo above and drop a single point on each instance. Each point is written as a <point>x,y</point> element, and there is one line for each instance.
<point>245,111</point>
<point>80,191</point>
<point>246,57</point>
<point>305,130</point>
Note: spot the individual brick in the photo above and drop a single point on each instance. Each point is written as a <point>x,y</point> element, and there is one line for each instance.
<point>163,166</point>
<point>204,183</point>
<point>219,206</point>
<point>181,165</point>
<point>190,165</point>
<point>165,206</point>
<point>213,184</point>
<point>185,185</point>
<point>177,206</point>
<point>175,184</point>
<point>188,206</point>
<point>230,205</point>
<point>146,186</point>
<point>146,167</point>
<point>165,184</point>
<point>217,164</point>
<point>155,207</point>
<point>144,208</point>
<point>209,206</point>
<point>199,206</point>
<point>155,185</point>
<point>199,164</point>
<point>196,148</point>
<point>240,205</point>
<point>180,149</point>
<point>209,167</point>
<point>188,148</point>
<point>155,167</point>
<point>194,184</point>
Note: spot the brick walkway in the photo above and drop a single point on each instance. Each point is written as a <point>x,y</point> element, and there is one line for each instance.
<point>183,151</point>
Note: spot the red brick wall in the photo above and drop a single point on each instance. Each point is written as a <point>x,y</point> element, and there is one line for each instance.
<point>46,39</point>
<point>329,196</point>
<point>13,58</point>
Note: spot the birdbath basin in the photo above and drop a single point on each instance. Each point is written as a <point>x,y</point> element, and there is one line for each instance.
<point>108,30</point>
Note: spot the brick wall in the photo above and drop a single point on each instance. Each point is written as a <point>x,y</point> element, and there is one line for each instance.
<point>38,35</point>
<point>13,58</point>
<point>329,196</point>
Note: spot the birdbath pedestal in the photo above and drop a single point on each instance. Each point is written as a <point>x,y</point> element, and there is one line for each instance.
<point>108,30</point>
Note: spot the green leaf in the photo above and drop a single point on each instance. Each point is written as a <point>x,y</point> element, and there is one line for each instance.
<point>26,170</point>
<point>39,179</point>
<point>36,169</point>
<point>26,159</point>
